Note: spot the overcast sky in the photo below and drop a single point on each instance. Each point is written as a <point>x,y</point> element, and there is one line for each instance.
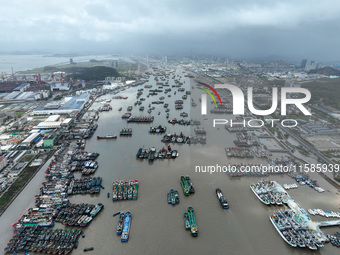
<point>255,28</point>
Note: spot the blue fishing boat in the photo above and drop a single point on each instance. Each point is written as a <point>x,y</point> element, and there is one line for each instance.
<point>126,229</point>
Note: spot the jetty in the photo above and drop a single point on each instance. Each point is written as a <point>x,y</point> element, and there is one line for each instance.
<point>294,225</point>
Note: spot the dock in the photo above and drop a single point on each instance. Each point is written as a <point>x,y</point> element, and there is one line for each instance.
<point>311,227</point>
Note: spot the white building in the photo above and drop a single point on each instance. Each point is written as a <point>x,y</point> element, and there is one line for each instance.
<point>3,162</point>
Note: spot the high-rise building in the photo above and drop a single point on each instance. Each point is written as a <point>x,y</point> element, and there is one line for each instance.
<point>303,63</point>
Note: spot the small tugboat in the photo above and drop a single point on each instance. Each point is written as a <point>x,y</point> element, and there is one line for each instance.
<point>120,223</point>
<point>222,199</point>
<point>173,197</point>
<point>114,215</point>
<point>126,230</point>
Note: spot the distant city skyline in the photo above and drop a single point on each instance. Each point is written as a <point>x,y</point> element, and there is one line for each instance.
<point>295,30</point>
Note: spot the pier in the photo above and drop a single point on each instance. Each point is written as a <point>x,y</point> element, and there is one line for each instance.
<point>312,226</point>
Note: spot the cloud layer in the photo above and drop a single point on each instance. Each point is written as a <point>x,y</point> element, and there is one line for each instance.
<point>304,28</point>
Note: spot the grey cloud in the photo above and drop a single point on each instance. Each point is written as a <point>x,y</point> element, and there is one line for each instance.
<point>305,28</point>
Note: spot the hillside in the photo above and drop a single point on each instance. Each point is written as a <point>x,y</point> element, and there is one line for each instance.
<point>326,91</point>
<point>325,71</point>
<point>95,73</point>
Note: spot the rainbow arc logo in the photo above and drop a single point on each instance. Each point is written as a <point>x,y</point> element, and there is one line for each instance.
<point>209,93</point>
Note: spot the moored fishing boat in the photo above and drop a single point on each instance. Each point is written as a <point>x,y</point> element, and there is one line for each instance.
<point>126,131</point>
<point>115,191</point>
<point>174,154</point>
<point>193,226</point>
<point>130,189</point>
<point>172,196</point>
<point>107,137</point>
<point>135,189</point>
<point>186,221</point>
<point>157,129</point>
<point>127,225</point>
<point>120,223</point>
<point>185,186</point>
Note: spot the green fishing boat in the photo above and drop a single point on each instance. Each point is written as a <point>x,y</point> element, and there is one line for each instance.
<point>193,226</point>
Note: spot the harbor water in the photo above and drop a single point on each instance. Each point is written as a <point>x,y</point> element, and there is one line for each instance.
<point>157,227</point>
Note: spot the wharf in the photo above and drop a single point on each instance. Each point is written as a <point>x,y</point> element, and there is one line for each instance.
<point>298,210</point>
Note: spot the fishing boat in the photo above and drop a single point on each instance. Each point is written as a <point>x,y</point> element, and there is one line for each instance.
<point>107,137</point>
<point>151,155</point>
<point>174,154</point>
<point>157,129</point>
<point>185,186</point>
<point>222,199</point>
<point>135,189</point>
<point>193,226</point>
<point>168,154</point>
<point>125,190</point>
<point>186,221</point>
<point>176,197</point>
<point>126,131</point>
<point>115,191</point>
<point>126,230</point>
<point>120,190</point>
<point>130,189</point>
<point>126,115</point>
<point>139,152</point>
<point>172,196</point>
<point>120,223</point>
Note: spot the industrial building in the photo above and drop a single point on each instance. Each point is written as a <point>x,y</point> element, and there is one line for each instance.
<point>31,139</point>
<point>317,129</point>
<point>3,162</point>
<point>17,169</point>
<point>22,87</point>
<point>65,106</point>
<point>49,140</point>
<point>60,87</point>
